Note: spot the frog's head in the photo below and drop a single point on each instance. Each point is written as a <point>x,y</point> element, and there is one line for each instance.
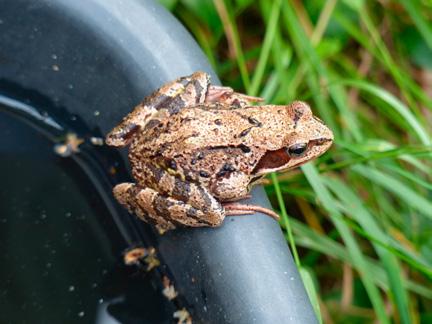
<point>307,138</point>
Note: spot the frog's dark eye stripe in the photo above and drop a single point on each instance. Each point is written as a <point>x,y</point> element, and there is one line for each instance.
<point>297,150</point>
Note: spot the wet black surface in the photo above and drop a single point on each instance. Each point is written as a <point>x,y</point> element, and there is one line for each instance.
<point>61,249</point>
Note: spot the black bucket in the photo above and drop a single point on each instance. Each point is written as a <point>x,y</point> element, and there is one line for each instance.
<point>69,71</point>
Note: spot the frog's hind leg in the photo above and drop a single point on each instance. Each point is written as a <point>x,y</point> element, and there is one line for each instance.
<point>227,96</point>
<point>170,183</point>
<point>126,194</point>
<point>164,211</point>
<point>183,92</point>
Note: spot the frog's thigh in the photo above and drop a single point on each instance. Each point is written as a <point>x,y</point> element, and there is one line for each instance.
<point>164,210</point>
<point>190,193</point>
<point>126,194</point>
<point>231,188</point>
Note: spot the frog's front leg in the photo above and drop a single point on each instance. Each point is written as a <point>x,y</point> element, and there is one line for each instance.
<point>166,212</point>
<point>183,92</point>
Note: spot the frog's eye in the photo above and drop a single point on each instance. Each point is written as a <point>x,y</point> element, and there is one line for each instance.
<point>297,150</point>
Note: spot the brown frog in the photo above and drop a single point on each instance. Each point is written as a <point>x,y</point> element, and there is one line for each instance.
<point>196,148</point>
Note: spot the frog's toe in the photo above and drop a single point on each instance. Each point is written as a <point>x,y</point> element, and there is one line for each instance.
<point>123,134</point>
<point>122,192</point>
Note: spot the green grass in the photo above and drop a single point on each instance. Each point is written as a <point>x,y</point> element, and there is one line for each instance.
<point>359,219</point>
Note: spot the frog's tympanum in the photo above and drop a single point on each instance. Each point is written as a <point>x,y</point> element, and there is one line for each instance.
<point>196,149</point>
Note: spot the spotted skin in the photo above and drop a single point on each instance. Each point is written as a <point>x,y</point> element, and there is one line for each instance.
<point>173,97</point>
<point>159,193</point>
<point>195,148</point>
<point>164,211</point>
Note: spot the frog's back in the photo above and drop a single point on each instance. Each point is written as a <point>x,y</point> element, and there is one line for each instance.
<point>201,127</point>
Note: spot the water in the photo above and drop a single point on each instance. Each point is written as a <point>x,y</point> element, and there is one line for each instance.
<point>61,233</point>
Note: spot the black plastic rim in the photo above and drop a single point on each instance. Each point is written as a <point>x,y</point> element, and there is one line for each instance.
<point>95,60</point>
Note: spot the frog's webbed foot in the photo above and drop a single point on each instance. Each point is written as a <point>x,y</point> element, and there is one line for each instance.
<point>227,96</point>
<point>234,209</point>
<point>173,96</point>
<point>164,211</point>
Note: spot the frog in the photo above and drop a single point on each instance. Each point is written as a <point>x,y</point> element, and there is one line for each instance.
<point>197,149</point>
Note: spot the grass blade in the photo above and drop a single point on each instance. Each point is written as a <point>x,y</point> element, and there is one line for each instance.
<point>358,259</point>
<point>390,262</point>
<point>415,12</point>
<point>266,47</point>
<point>395,104</point>
<point>402,191</point>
